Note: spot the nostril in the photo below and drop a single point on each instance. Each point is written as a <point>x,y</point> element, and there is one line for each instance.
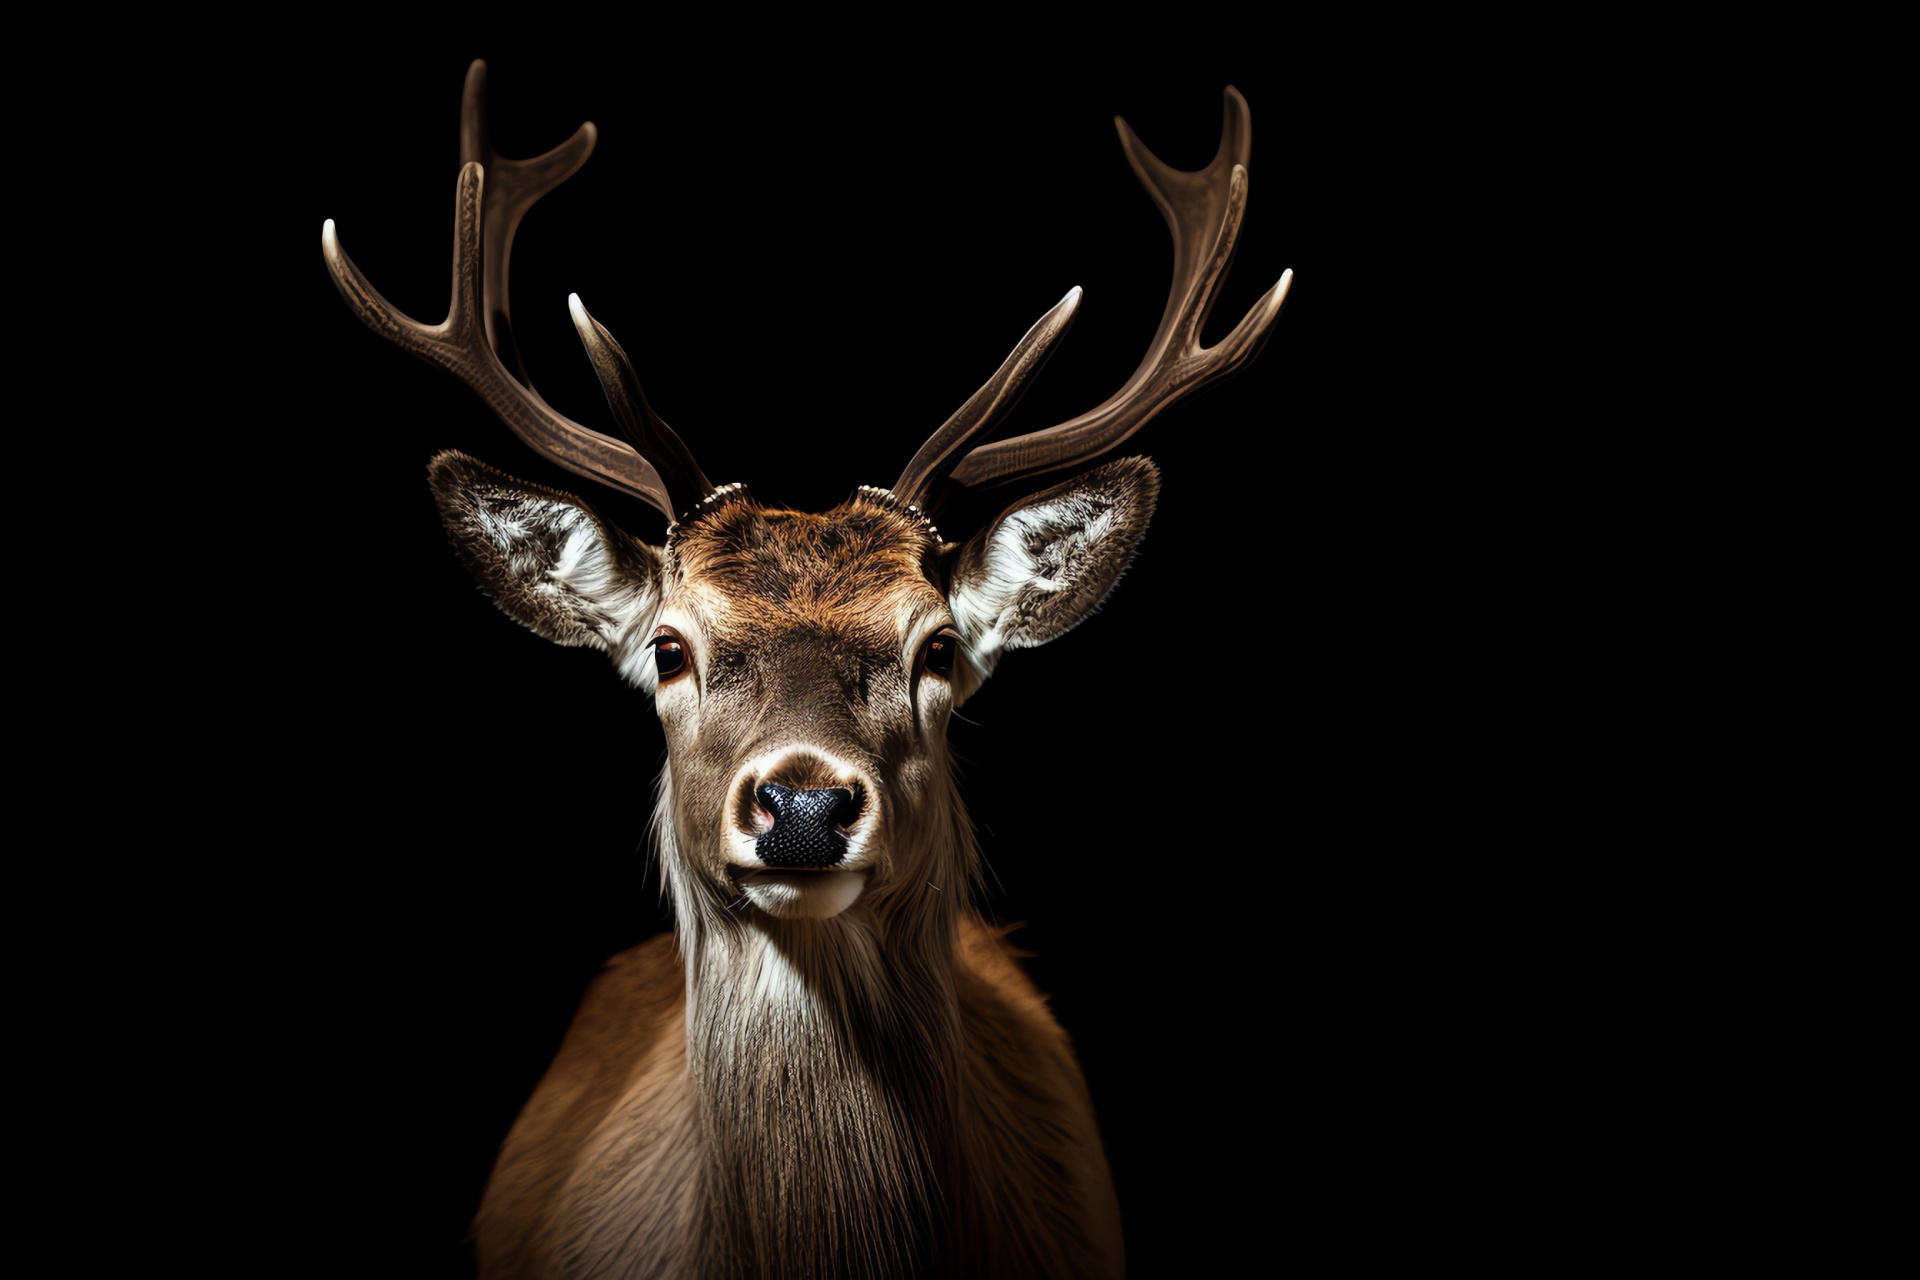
<point>846,809</point>
<point>775,799</point>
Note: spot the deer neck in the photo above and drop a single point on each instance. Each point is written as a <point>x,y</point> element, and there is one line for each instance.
<point>825,1055</point>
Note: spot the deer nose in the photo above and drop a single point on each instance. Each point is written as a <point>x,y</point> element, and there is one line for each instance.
<point>807,825</point>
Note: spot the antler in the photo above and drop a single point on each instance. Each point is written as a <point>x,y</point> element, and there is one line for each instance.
<point>946,448</point>
<point>475,341</point>
<point>1203,210</point>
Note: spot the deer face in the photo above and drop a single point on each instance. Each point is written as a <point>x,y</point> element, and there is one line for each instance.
<point>806,706</point>
<point>803,666</point>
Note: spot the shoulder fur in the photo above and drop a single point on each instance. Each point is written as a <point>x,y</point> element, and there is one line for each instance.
<point>629,1036</point>
<point>1033,1125</point>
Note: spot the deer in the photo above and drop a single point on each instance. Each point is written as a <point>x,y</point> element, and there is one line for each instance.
<point>833,1065</point>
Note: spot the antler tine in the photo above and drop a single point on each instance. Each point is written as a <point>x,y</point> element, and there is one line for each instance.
<point>644,429</point>
<point>987,406</point>
<point>459,345</point>
<point>1203,210</point>
<point>513,187</point>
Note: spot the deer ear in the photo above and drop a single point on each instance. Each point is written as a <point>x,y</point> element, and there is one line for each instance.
<point>1047,563</point>
<point>551,563</point>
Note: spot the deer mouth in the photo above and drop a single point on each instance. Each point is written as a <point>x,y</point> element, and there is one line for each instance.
<point>812,893</point>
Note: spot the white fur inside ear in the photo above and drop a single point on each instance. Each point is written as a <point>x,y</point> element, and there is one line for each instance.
<point>551,564</point>
<point>1049,562</point>
<point>619,609</point>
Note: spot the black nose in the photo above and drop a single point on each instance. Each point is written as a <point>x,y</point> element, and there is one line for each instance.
<point>806,825</point>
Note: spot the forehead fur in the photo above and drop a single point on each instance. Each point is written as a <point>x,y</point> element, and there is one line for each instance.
<point>849,570</point>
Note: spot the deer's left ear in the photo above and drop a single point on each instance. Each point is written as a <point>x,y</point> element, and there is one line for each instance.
<point>1047,563</point>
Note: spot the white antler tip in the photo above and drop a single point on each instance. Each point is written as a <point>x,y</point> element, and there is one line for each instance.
<point>579,309</point>
<point>329,239</point>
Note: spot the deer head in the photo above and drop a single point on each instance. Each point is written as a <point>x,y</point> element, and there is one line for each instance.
<point>804,665</point>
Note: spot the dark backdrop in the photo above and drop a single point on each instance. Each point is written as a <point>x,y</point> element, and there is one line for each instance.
<point>1201,802</point>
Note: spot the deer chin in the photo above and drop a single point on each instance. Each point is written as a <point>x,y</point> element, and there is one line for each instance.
<point>802,895</point>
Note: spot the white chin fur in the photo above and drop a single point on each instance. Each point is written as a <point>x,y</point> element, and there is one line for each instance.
<point>803,895</point>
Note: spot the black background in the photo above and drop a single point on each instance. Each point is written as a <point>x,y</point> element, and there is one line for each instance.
<point>1207,802</point>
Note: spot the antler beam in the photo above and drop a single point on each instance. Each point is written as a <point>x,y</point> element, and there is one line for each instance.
<point>512,188</point>
<point>1203,210</point>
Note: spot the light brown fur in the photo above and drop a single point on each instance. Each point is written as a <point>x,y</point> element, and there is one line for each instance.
<point>609,1134</point>
<point>876,1092</point>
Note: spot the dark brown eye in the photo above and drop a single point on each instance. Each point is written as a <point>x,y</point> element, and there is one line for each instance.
<point>939,654</point>
<point>669,656</point>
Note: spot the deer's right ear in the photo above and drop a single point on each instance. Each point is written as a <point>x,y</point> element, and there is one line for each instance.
<point>551,563</point>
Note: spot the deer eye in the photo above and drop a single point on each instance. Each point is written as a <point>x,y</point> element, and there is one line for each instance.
<point>938,653</point>
<point>669,656</point>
